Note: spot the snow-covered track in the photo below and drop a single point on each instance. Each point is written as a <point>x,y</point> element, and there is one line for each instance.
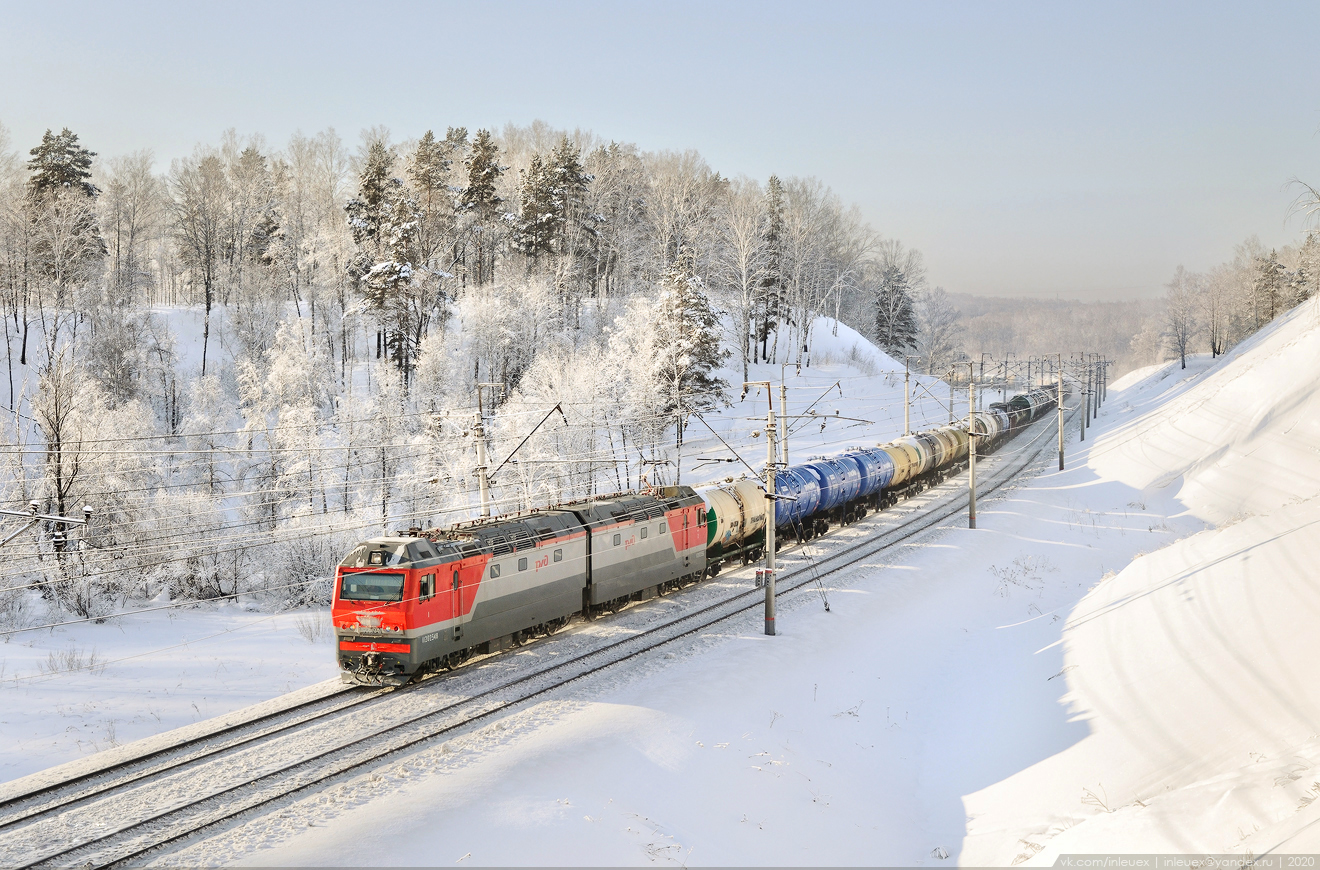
<point>62,793</point>
<point>171,806</point>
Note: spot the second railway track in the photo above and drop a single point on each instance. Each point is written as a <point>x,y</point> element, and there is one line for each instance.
<point>127,811</point>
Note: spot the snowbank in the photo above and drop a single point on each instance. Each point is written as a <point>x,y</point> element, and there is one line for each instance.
<point>1194,667</point>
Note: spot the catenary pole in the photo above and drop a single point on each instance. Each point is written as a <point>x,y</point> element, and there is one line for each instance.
<point>783,420</point>
<point>907,399</point>
<point>1059,406</point>
<point>971,450</point>
<point>479,433</point>
<point>770,521</point>
<point>1086,393</point>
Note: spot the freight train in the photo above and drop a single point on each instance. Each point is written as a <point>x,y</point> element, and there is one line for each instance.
<point>419,601</point>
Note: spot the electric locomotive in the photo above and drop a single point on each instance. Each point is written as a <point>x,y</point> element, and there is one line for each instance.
<point>421,600</point>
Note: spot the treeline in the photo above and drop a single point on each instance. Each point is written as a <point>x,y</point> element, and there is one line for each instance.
<point>247,360</point>
<point>1212,311</point>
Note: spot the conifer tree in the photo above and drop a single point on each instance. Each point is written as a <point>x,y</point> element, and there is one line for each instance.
<point>686,342</point>
<point>67,244</point>
<point>480,202</point>
<point>541,214</point>
<point>383,219</point>
<point>895,317</point>
<point>1268,289</point>
<point>772,285</point>
<point>59,162</point>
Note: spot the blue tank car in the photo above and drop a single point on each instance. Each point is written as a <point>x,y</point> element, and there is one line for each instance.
<point>839,481</point>
<point>876,468</point>
<point>804,490</point>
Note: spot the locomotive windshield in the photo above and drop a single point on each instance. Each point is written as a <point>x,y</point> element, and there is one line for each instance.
<point>371,586</point>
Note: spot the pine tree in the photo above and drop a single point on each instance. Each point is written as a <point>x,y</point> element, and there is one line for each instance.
<point>59,162</point>
<point>541,214</point>
<point>576,232</point>
<point>1306,277</point>
<point>480,202</point>
<point>383,219</point>
<point>67,243</point>
<point>772,285</point>
<point>1268,289</point>
<point>895,318</point>
<point>686,342</point>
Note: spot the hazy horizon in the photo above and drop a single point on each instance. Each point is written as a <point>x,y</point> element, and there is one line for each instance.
<point>1027,150</point>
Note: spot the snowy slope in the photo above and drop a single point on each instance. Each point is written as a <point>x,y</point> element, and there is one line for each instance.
<point>1194,667</point>
<point>1243,440</point>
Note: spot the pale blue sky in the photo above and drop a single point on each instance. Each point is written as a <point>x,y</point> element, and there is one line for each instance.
<point>1084,150</point>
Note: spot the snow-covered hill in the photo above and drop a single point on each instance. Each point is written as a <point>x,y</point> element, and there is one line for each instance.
<point>1193,668</point>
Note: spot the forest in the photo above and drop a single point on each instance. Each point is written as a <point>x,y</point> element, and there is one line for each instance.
<point>249,360</point>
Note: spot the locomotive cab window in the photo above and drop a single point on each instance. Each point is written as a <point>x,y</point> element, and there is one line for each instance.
<point>371,586</point>
<point>428,587</point>
<point>494,571</point>
<point>618,539</point>
<point>559,555</point>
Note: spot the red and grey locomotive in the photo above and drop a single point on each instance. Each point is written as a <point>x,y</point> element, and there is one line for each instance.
<point>406,603</point>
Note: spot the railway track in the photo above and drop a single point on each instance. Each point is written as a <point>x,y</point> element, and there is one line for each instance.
<point>125,812</point>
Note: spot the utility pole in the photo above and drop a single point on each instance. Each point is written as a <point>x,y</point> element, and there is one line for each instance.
<point>770,522</point>
<point>971,452</point>
<point>769,506</point>
<point>1095,393</point>
<point>907,399</point>
<point>1058,403</point>
<point>783,420</point>
<point>950,377</point>
<point>1086,395</point>
<point>479,433</point>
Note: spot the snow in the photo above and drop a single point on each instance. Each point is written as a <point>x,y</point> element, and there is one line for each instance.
<point>73,691</point>
<point>1117,659</point>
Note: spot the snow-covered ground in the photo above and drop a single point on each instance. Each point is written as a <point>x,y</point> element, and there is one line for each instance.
<point>1032,687</point>
<point>1117,659</point>
<point>72,691</point>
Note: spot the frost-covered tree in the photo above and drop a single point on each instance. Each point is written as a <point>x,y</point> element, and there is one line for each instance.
<point>939,329</point>
<point>1305,279</point>
<point>1181,310</point>
<point>741,260</point>
<point>480,203</point>
<point>384,221</point>
<point>198,216</point>
<point>686,343</point>
<point>132,205</point>
<point>60,163</point>
<point>902,274</point>
<point>1269,289</point>
<point>772,281</point>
